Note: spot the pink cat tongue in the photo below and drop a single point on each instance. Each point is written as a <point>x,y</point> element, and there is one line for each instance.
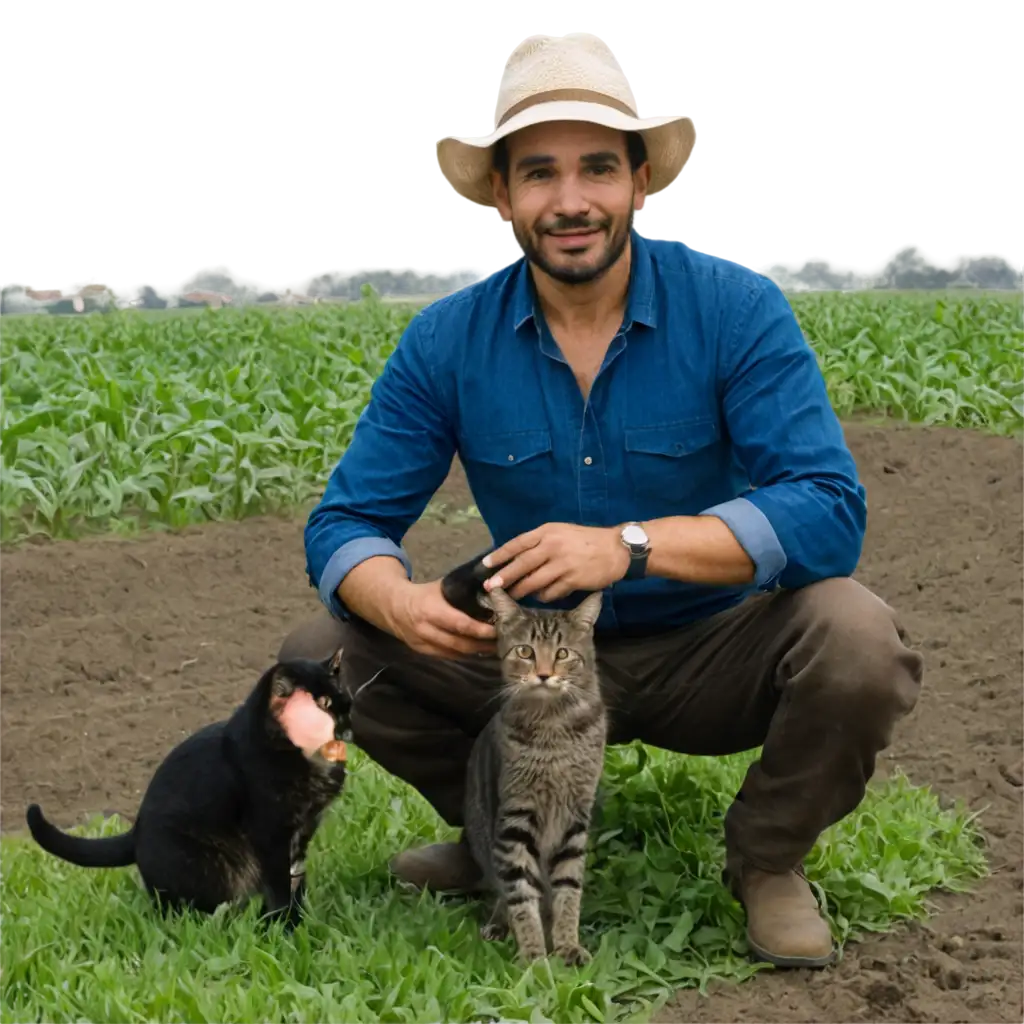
<point>306,725</point>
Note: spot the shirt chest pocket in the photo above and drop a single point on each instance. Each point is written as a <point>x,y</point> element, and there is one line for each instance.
<point>508,464</point>
<point>673,466</point>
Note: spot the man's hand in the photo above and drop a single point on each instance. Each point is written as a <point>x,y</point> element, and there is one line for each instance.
<point>420,617</point>
<point>558,558</point>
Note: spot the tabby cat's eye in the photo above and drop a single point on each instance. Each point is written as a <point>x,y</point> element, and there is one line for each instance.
<point>561,654</point>
<point>324,702</point>
<point>524,651</point>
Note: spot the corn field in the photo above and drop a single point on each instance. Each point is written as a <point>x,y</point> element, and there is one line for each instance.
<point>123,420</point>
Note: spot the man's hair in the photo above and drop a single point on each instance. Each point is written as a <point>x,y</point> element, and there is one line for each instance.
<point>636,149</point>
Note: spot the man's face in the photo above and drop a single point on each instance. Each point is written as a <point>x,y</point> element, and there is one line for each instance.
<point>570,197</point>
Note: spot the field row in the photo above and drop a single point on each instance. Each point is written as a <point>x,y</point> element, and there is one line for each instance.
<point>117,420</point>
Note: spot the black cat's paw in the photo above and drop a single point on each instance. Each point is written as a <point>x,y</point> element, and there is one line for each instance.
<point>289,916</point>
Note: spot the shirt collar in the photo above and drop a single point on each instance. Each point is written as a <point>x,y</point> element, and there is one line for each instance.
<point>640,303</point>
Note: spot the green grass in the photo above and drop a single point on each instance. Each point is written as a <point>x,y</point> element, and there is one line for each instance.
<point>86,945</point>
<point>133,419</point>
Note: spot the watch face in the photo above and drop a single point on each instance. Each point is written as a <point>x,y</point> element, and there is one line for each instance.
<point>633,534</point>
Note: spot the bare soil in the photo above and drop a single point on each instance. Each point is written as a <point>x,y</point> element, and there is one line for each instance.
<point>112,650</point>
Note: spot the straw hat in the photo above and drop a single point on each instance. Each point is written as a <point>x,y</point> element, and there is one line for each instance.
<point>564,78</point>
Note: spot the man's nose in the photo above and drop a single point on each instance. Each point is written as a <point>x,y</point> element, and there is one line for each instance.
<point>571,201</point>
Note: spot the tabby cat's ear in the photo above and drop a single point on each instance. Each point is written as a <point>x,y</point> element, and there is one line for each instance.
<point>483,600</point>
<point>586,612</point>
<point>499,602</point>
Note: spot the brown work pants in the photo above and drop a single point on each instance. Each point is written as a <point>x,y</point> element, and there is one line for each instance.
<point>818,676</point>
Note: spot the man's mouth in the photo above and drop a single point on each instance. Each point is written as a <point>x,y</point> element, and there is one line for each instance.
<point>575,239</point>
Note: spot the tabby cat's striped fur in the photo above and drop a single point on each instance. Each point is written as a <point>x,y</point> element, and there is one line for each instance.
<point>533,775</point>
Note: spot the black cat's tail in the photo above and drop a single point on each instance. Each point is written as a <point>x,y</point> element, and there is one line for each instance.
<point>107,852</point>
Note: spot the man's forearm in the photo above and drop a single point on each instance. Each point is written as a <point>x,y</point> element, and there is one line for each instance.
<point>696,549</point>
<point>368,588</point>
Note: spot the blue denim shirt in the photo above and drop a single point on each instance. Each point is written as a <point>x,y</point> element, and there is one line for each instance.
<point>708,402</point>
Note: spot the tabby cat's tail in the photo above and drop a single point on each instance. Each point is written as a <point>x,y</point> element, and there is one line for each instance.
<point>107,852</point>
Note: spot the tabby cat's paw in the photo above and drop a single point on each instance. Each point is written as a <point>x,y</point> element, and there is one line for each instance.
<point>492,932</point>
<point>574,956</point>
<point>531,954</point>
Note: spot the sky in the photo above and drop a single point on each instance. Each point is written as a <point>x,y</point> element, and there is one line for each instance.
<point>140,138</point>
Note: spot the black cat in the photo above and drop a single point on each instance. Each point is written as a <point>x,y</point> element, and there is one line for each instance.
<point>230,811</point>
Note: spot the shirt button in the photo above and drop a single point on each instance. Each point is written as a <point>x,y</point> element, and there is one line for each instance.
<point>587,461</point>
<point>511,458</point>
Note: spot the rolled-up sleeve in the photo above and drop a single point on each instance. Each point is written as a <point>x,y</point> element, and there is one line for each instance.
<point>805,515</point>
<point>400,453</point>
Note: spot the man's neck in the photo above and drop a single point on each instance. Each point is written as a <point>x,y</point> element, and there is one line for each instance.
<point>585,307</point>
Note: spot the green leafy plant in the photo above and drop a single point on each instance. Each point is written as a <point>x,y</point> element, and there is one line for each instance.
<point>129,419</point>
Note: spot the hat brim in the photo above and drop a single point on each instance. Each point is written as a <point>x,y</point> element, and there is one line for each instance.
<point>466,162</point>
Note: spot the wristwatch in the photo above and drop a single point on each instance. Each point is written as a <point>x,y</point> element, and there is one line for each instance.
<point>634,539</point>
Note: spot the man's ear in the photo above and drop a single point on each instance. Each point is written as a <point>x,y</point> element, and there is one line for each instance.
<point>499,191</point>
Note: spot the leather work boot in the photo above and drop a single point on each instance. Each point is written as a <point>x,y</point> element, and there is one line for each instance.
<point>784,924</point>
<point>442,867</point>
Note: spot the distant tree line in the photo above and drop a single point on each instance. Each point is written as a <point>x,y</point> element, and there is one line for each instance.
<point>333,286</point>
<point>907,270</point>
<point>387,282</point>
<point>218,287</point>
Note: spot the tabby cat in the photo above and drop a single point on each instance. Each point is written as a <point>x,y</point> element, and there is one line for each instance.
<point>230,811</point>
<point>533,774</point>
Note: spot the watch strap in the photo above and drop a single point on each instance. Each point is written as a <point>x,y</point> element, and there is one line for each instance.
<point>637,566</point>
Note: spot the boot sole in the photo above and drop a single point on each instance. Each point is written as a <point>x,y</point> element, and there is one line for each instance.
<point>410,886</point>
<point>791,961</point>
<point>420,884</point>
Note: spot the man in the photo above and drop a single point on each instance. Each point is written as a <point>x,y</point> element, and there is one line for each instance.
<point>633,417</point>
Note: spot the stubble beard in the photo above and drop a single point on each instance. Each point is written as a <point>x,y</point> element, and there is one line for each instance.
<point>615,246</point>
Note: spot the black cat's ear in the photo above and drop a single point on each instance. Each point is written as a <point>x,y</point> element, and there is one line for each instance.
<point>282,684</point>
<point>332,664</point>
<point>281,687</point>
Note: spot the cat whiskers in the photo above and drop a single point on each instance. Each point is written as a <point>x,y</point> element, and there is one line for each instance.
<point>363,686</point>
<point>503,691</point>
